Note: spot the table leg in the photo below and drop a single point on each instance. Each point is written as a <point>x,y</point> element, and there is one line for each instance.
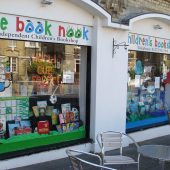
<point>162,164</point>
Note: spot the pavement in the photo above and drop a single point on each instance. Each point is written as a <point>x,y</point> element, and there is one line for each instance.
<point>145,163</point>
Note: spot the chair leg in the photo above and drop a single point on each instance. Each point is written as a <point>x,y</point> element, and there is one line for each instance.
<point>138,161</point>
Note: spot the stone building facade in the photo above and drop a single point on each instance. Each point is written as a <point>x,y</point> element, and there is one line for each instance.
<point>123,9</point>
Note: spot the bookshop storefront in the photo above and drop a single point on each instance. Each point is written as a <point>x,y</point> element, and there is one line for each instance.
<point>148,93</point>
<point>44,83</point>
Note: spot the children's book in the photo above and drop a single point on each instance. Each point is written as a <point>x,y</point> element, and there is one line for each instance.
<point>64,127</point>
<point>43,127</point>
<point>12,127</point>
<point>71,117</point>
<point>42,104</point>
<point>54,118</point>
<point>25,123</point>
<point>2,126</point>
<point>67,117</point>
<point>76,114</point>
<point>71,126</point>
<point>65,107</point>
<point>76,125</point>
<point>35,111</point>
<point>59,128</point>
<point>61,118</point>
<point>49,110</point>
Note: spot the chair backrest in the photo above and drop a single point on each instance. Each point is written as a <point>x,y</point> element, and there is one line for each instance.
<point>77,162</point>
<point>110,140</point>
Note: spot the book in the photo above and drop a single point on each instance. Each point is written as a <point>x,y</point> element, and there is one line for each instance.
<point>64,127</point>
<point>49,110</point>
<point>25,123</point>
<point>61,118</point>
<point>65,107</point>
<point>12,127</point>
<point>2,126</point>
<point>3,122</point>
<point>43,127</point>
<point>59,128</point>
<point>71,117</point>
<point>54,118</point>
<point>35,111</point>
<point>42,105</point>
<point>67,117</point>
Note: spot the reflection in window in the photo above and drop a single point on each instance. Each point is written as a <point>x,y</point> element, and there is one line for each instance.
<point>13,64</point>
<point>147,90</point>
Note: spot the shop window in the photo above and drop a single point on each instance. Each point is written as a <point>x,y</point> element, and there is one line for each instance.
<point>44,93</point>
<point>147,99</point>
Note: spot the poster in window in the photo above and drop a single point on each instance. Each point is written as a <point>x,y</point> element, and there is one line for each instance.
<point>68,77</point>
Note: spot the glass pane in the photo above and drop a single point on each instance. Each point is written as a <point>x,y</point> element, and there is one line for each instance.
<point>148,94</point>
<point>42,82</point>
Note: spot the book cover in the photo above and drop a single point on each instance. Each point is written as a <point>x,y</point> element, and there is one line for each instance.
<point>42,104</point>
<point>12,127</point>
<point>76,114</point>
<point>25,123</point>
<point>54,118</point>
<point>3,122</point>
<point>67,117</point>
<point>61,118</point>
<point>2,126</point>
<point>59,128</point>
<point>71,117</point>
<point>64,127</point>
<point>35,111</point>
<point>43,127</point>
<point>71,126</point>
<point>49,110</point>
<point>65,107</point>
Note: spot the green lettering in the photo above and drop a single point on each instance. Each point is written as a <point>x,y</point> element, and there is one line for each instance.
<point>4,23</point>
<point>70,32</point>
<point>47,28</point>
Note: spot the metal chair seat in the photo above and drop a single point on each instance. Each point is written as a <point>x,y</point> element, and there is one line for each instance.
<point>118,159</point>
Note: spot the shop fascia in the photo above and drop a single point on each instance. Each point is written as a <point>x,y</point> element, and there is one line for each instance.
<point>32,29</point>
<point>148,43</point>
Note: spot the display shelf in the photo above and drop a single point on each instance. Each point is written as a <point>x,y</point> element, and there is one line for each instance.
<point>142,124</point>
<point>21,142</point>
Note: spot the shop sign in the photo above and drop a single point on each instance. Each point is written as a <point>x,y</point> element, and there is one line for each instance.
<point>32,29</point>
<point>148,43</point>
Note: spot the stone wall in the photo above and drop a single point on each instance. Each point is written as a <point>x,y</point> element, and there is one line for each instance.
<point>121,9</point>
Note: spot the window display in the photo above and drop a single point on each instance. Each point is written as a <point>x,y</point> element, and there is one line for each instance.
<point>147,104</point>
<point>40,90</point>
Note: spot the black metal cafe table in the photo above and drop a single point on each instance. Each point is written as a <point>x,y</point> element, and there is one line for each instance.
<point>159,152</point>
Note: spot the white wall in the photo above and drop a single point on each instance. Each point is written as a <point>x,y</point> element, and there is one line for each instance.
<point>109,81</point>
<point>146,27</point>
<point>60,10</point>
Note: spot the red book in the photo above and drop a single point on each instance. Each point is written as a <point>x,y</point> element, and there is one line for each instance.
<point>67,117</point>
<point>43,127</point>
